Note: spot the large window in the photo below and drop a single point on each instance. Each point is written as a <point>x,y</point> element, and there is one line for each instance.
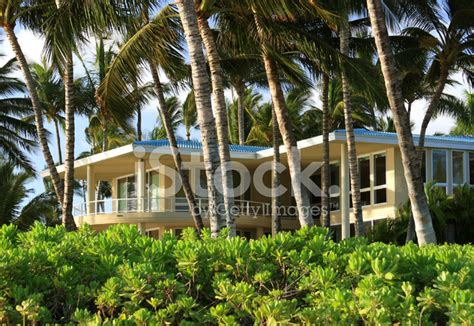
<point>364,171</point>
<point>439,166</point>
<point>380,179</point>
<point>458,167</point>
<point>334,187</point>
<point>127,194</point>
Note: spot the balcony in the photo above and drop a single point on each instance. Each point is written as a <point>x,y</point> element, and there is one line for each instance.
<point>136,206</point>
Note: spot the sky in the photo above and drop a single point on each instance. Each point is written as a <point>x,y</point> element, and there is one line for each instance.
<point>32,46</point>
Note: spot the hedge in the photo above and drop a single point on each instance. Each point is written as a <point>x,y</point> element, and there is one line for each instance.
<point>120,277</point>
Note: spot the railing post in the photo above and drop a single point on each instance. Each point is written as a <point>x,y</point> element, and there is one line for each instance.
<point>90,208</point>
<point>140,182</point>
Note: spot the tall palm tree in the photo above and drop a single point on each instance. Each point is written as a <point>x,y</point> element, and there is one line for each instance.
<point>284,123</point>
<point>11,15</point>
<point>206,121</point>
<point>220,107</point>
<point>464,125</point>
<point>445,29</point>
<point>421,214</point>
<point>152,43</point>
<point>17,135</point>
<point>176,119</point>
<point>51,93</point>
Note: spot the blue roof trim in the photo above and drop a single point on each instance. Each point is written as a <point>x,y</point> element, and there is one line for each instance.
<point>184,144</point>
<point>366,132</point>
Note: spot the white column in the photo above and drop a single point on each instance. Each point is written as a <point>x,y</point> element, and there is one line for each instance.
<point>90,190</point>
<point>449,172</point>
<point>344,194</point>
<point>140,183</point>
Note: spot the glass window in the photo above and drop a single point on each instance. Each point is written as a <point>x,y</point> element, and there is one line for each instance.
<point>439,166</point>
<point>379,169</point>
<point>334,171</point>
<point>122,194</point>
<point>380,195</point>
<point>364,171</point>
<point>458,167</point>
<point>471,168</point>
<point>380,179</point>
<point>334,188</point>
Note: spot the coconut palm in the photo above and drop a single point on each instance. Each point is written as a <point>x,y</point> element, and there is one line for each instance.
<point>17,135</point>
<point>445,30</point>
<point>176,119</point>
<point>421,214</point>
<point>464,124</point>
<point>206,121</point>
<point>11,15</point>
<point>220,108</point>
<point>188,111</point>
<point>14,204</point>
<point>153,44</point>
<point>249,103</point>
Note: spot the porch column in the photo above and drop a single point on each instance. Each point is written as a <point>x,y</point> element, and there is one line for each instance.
<point>90,205</point>
<point>344,198</point>
<point>141,228</point>
<point>140,183</point>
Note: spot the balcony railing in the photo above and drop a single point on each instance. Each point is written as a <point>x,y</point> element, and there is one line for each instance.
<point>171,204</point>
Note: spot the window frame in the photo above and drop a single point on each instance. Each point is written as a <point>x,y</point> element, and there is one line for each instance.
<point>379,187</point>
<point>432,179</point>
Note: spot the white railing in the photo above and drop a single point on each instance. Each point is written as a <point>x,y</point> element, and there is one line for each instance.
<point>169,204</point>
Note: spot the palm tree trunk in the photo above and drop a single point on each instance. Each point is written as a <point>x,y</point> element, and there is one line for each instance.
<point>240,90</point>
<point>139,124</point>
<point>431,108</point>
<point>221,121</point>
<point>325,169</point>
<point>286,131</point>
<point>276,200</point>
<point>20,56</point>
<point>350,138</point>
<point>178,161</point>
<point>68,218</point>
<point>421,214</point>
<point>58,142</point>
<point>206,121</point>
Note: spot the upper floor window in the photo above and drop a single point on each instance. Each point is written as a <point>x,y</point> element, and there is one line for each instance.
<point>380,179</point>
<point>439,165</point>
<point>458,167</point>
<point>364,171</point>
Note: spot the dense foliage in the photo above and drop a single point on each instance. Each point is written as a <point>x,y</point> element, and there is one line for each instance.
<point>452,217</point>
<point>49,275</point>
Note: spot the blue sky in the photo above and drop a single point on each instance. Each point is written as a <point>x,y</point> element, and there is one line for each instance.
<point>32,46</point>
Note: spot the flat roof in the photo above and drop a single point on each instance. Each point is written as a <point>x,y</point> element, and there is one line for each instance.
<point>260,152</point>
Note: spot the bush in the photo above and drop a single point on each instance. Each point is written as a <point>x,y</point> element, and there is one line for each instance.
<point>48,275</point>
<point>453,217</point>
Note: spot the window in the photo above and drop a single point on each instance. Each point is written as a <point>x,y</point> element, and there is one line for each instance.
<point>458,167</point>
<point>364,172</point>
<point>127,194</point>
<point>471,168</point>
<point>439,166</point>
<point>153,190</point>
<point>380,179</point>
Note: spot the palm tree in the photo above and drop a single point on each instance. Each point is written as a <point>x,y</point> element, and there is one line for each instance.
<point>445,31</point>
<point>51,94</point>
<point>248,103</point>
<point>151,43</point>
<point>220,107</point>
<point>17,135</point>
<point>176,119</point>
<point>464,125</point>
<point>206,122</point>
<point>421,214</point>
<point>284,123</point>
<point>14,207</point>
<point>188,111</point>
<point>11,15</point>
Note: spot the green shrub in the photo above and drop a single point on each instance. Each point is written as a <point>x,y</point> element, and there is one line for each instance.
<point>118,276</point>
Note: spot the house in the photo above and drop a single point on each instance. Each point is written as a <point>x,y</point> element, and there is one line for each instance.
<point>146,190</point>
